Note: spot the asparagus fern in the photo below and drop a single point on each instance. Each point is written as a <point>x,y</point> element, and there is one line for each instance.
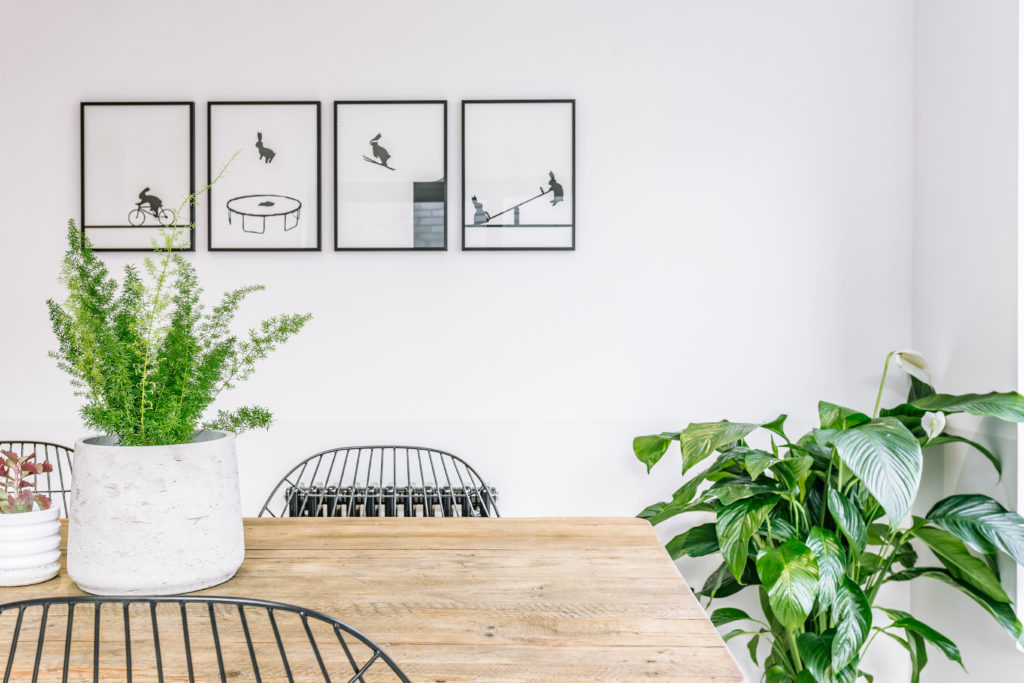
<point>146,356</point>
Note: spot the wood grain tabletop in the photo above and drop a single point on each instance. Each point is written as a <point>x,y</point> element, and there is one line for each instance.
<point>554,599</point>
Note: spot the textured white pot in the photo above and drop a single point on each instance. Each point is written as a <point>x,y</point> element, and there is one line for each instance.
<point>155,520</point>
<point>29,543</point>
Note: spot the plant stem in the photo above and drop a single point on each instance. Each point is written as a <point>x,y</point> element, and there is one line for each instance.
<point>160,280</point>
<point>895,542</point>
<point>793,651</point>
<point>885,372</point>
<point>824,493</point>
<point>874,635</point>
<point>169,241</point>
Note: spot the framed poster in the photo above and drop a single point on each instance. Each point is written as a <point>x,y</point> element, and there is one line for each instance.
<point>138,168</point>
<point>518,174</point>
<point>268,198</point>
<point>390,175</point>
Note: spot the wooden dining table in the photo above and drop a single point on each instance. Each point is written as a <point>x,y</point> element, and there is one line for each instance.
<point>544,599</point>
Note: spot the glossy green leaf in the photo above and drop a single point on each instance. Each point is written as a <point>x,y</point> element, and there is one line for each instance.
<point>682,502</point>
<point>651,510</point>
<point>906,556</point>
<point>879,534</point>
<point>726,615</point>
<point>952,552</point>
<point>736,523</point>
<point>721,583</point>
<point>1000,611</point>
<point>813,502</point>
<point>792,472</point>
<point>779,527</point>
<point>816,653</point>
<point>650,449</point>
<point>732,634</point>
<point>1008,406</point>
<point>886,457</point>
<point>755,462</point>
<point>919,389</point>
<point>849,674</point>
<point>838,417</point>
<point>848,519</point>
<point>752,648</point>
<point>776,674</point>
<point>918,654</point>
<point>670,510</point>
<point>728,463</point>
<point>818,441</point>
<point>942,643</point>
<point>790,574</point>
<point>981,522</point>
<point>831,559</point>
<point>700,439</point>
<point>904,410</point>
<point>869,563</point>
<point>686,493</point>
<point>696,542</point>
<point>952,438</point>
<point>731,489</point>
<point>776,426</point>
<point>852,615</point>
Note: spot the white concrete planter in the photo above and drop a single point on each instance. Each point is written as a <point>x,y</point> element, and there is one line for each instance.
<point>29,547</point>
<point>155,520</point>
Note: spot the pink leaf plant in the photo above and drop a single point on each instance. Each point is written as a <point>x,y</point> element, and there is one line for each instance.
<point>18,475</point>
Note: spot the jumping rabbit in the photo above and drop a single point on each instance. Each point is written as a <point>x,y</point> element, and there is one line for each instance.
<point>266,153</point>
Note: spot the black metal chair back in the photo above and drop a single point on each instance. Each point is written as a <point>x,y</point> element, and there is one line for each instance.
<point>382,481</point>
<point>139,635</point>
<point>55,484</point>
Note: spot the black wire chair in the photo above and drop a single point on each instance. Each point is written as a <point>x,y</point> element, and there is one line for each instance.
<point>55,484</point>
<point>111,638</point>
<point>382,481</point>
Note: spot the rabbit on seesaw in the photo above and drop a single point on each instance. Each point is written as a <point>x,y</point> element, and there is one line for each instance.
<point>266,154</point>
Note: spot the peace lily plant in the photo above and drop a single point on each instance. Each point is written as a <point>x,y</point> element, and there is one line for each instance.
<point>818,524</point>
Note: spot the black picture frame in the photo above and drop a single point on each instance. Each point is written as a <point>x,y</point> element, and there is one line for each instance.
<point>262,152</point>
<point>571,141</point>
<point>428,189</point>
<point>187,186</point>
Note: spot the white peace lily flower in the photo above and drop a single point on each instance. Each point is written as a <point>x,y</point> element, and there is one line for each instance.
<point>933,424</point>
<point>914,364</point>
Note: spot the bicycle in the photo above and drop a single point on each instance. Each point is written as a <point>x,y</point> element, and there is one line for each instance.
<point>137,216</point>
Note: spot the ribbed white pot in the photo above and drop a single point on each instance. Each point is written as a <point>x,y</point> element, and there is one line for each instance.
<point>29,547</point>
<point>154,520</point>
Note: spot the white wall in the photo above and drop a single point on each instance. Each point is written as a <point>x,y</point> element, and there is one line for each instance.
<point>965,274</point>
<point>745,202</point>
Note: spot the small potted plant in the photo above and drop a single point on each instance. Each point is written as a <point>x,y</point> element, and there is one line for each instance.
<point>29,530</point>
<point>155,506</point>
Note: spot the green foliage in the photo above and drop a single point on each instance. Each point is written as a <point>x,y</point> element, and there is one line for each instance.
<point>246,417</point>
<point>886,457</point>
<point>146,356</point>
<point>789,573</point>
<point>819,524</point>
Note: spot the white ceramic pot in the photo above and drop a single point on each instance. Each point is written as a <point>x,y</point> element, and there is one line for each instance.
<point>29,547</point>
<point>155,520</point>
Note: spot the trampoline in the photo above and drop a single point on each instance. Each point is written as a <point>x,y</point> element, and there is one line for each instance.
<point>259,210</point>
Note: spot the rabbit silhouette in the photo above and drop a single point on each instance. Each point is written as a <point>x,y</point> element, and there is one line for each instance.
<point>378,151</point>
<point>266,154</point>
